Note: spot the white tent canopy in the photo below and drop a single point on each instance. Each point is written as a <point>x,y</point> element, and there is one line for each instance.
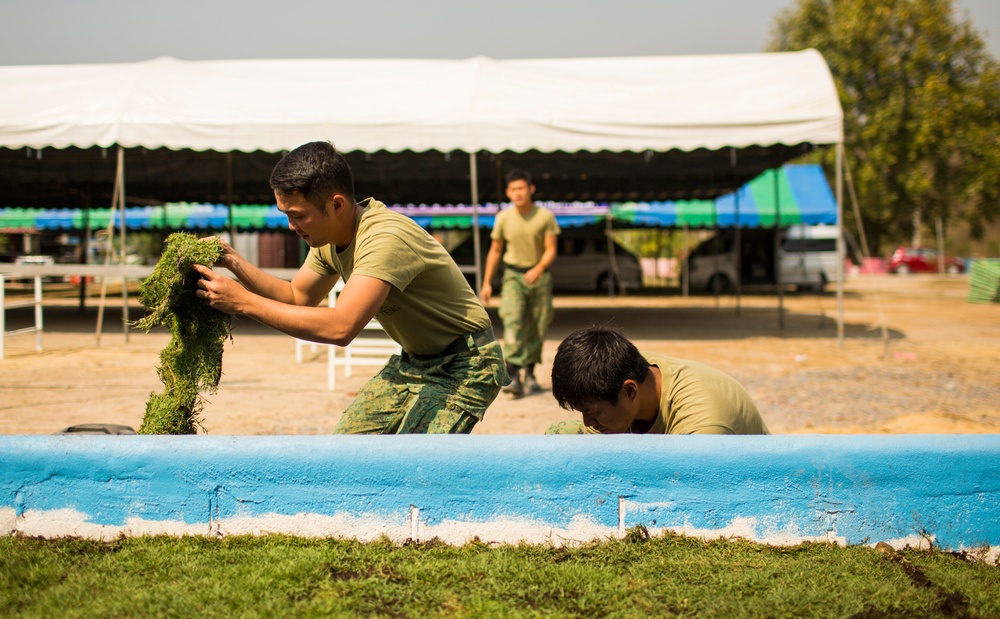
<point>478,104</point>
<point>711,121</point>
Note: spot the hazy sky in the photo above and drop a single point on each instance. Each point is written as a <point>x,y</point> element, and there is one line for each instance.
<point>98,31</point>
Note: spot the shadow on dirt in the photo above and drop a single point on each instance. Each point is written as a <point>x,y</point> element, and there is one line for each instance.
<point>708,323</point>
<point>687,322</point>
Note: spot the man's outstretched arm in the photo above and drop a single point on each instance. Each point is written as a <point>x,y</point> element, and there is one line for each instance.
<point>356,304</point>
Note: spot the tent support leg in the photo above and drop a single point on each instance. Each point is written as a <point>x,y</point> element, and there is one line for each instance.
<point>124,249</point>
<point>117,198</point>
<point>738,250</point>
<point>474,188</point>
<point>85,250</point>
<point>840,244</point>
<point>687,265</point>
<point>777,253</point>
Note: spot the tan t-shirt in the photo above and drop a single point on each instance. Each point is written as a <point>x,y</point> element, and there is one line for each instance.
<point>430,303</point>
<point>698,399</point>
<point>524,237</point>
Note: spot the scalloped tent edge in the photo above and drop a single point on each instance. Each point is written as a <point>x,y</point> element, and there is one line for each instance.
<point>635,104</point>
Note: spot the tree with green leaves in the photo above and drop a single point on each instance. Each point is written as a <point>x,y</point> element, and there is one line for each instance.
<point>921,99</point>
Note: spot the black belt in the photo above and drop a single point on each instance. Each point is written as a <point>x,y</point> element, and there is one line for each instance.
<point>460,344</point>
<point>518,269</point>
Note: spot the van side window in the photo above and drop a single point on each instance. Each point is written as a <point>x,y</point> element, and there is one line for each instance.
<point>808,245</point>
<point>572,246</point>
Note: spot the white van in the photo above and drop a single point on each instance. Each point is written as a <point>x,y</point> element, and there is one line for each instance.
<point>807,254</point>
<point>583,263</point>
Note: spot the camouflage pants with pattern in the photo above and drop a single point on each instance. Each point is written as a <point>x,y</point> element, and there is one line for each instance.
<point>566,427</point>
<point>413,394</point>
<point>526,312</point>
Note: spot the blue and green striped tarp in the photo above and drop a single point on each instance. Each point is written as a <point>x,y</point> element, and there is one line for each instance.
<point>790,195</point>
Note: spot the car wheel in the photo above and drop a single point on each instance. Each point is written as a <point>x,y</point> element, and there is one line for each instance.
<point>953,269</point>
<point>818,286</point>
<point>821,285</point>
<point>602,284</point>
<point>902,270</point>
<point>719,284</point>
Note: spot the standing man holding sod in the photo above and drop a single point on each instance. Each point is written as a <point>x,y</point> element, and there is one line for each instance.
<point>524,237</point>
<point>451,368</point>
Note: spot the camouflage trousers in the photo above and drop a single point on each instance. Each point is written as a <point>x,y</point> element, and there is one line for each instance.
<point>417,394</point>
<point>566,427</point>
<point>570,426</point>
<point>526,312</point>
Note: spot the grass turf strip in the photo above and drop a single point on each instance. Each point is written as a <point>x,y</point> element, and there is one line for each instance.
<point>191,362</point>
<point>277,576</point>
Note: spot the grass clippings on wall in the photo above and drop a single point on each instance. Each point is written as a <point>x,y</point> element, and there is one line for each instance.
<point>192,361</point>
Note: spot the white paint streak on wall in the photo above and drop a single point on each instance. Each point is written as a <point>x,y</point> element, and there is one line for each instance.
<point>68,522</point>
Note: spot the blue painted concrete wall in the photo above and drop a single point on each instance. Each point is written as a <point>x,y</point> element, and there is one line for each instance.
<point>778,489</point>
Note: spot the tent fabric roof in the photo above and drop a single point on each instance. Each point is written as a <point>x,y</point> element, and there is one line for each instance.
<point>802,195</point>
<point>478,104</point>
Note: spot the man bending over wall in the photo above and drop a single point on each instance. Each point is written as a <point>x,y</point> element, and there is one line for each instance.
<point>619,390</point>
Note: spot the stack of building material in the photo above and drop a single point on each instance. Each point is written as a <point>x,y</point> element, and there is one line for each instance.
<point>984,282</point>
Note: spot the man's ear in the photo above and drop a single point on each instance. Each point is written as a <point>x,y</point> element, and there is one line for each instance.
<point>331,204</point>
<point>631,389</point>
<point>337,203</point>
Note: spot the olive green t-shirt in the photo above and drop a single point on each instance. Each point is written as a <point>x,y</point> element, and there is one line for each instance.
<point>524,236</point>
<point>430,302</point>
<point>698,399</point>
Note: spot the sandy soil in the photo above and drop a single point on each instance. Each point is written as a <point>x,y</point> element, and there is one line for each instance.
<point>916,358</point>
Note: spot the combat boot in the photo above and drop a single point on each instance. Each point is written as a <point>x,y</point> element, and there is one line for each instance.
<point>515,388</point>
<point>531,386</point>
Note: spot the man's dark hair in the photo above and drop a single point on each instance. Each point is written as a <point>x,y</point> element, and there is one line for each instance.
<point>316,170</point>
<point>594,363</point>
<point>518,175</point>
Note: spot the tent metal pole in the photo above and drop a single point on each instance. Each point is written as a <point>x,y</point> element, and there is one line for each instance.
<point>687,264</point>
<point>779,283</point>
<point>840,244</point>
<point>474,182</point>
<point>229,196</point>
<point>715,255</point>
<point>85,249</point>
<point>109,236</point>
<point>738,238</point>
<point>736,233</point>
<point>612,261</point>
<point>124,251</point>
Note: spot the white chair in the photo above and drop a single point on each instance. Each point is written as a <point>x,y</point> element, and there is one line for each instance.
<point>366,349</point>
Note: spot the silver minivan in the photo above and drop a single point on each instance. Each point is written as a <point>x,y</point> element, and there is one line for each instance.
<point>807,255</point>
<point>583,263</point>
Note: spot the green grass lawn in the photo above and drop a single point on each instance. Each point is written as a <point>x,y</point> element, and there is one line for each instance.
<point>275,576</point>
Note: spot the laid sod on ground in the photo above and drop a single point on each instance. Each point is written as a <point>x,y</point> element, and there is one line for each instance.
<point>279,576</point>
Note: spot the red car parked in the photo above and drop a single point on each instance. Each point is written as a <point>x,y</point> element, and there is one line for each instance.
<point>921,260</point>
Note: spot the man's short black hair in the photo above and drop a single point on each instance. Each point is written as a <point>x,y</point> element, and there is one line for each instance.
<point>316,170</point>
<point>518,175</point>
<point>594,363</point>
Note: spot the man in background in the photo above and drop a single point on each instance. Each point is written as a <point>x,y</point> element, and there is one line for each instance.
<point>524,238</point>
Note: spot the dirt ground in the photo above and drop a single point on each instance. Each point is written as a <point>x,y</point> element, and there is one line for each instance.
<point>933,368</point>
